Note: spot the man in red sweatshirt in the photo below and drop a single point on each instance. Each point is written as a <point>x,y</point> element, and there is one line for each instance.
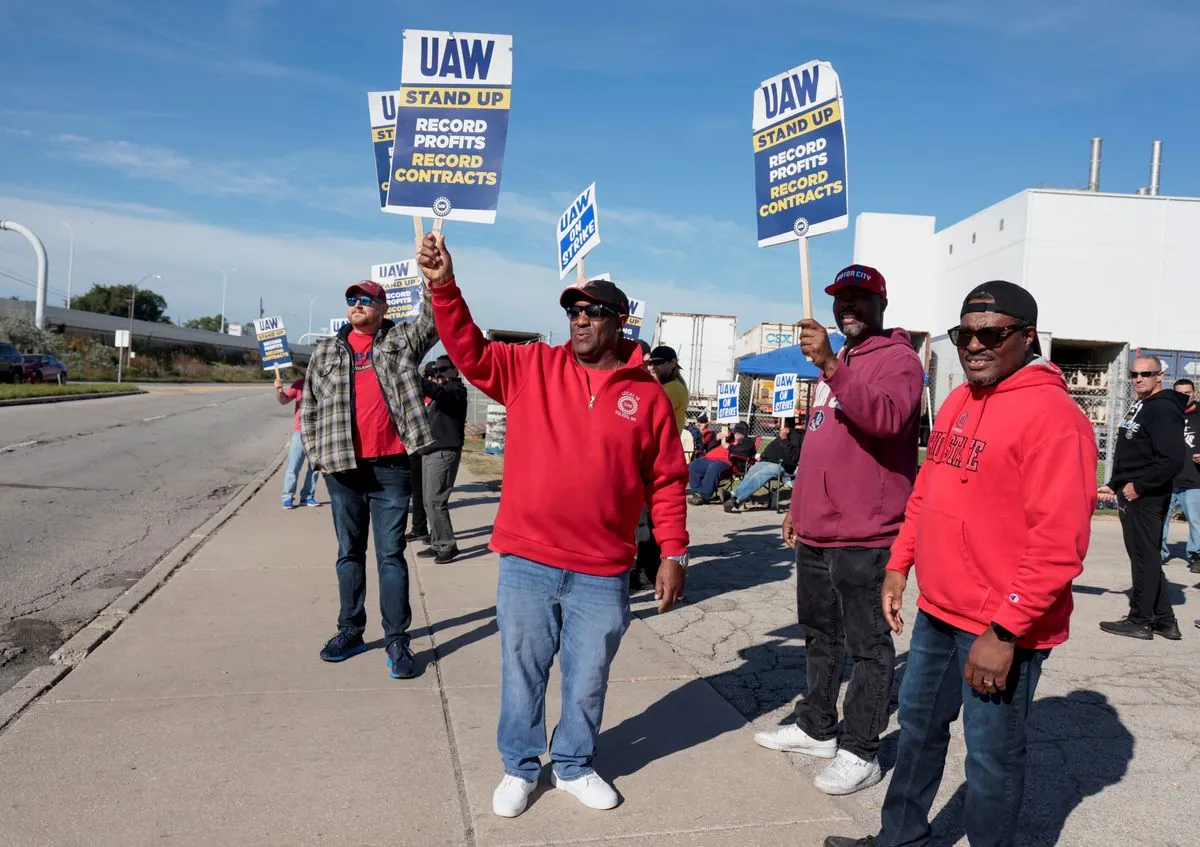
<point>856,471</point>
<point>997,527</point>
<point>591,439</point>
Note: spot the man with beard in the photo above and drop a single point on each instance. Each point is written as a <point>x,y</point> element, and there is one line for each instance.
<point>997,528</point>
<point>591,439</point>
<point>1148,457</point>
<point>857,466</point>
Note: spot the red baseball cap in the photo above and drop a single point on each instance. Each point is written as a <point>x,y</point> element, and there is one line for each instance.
<point>862,276</point>
<point>372,289</point>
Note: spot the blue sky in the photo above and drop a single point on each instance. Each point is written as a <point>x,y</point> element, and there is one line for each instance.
<point>175,138</point>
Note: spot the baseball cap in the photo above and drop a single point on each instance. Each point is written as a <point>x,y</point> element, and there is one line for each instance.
<point>862,276</point>
<point>662,353</point>
<point>1007,298</point>
<point>371,289</point>
<point>597,291</point>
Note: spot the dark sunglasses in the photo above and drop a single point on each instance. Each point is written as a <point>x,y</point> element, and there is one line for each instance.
<point>989,336</point>
<point>360,300</point>
<point>1143,374</point>
<point>444,369</point>
<point>592,310</point>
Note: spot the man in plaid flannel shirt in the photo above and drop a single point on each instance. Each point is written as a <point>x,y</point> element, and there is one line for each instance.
<point>362,417</point>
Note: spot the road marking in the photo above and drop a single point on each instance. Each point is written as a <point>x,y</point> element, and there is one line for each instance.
<point>16,446</point>
<point>210,405</point>
<point>155,418</point>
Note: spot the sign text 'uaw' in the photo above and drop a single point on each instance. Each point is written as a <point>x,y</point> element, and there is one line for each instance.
<point>800,182</point>
<point>637,317</point>
<point>402,283</point>
<point>783,397</point>
<point>578,231</point>
<point>383,132</point>
<point>451,125</point>
<point>727,402</point>
<point>273,347</point>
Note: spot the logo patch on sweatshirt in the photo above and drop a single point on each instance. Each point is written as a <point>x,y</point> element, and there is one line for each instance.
<point>961,423</point>
<point>818,418</point>
<point>627,405</point>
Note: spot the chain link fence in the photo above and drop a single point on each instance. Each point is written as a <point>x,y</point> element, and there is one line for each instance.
<point>1104,393</point>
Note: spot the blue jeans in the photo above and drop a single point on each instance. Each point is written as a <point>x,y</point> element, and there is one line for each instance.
<point>295,462</point>
<point>704,474</point>
<point>1187,499</point>
<point>543,610</point>
<point>758,476</point>
<point>931,695</point>
<point>374,492</point>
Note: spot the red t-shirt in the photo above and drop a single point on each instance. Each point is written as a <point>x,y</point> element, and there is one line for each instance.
<point>375,432</point>
<point>295,391</point>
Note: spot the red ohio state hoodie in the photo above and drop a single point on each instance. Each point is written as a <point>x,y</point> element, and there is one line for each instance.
<point>578,466</point>
<point>999,522</point>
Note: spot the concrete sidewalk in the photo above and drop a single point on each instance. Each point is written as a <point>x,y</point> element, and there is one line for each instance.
<point>207,719</point>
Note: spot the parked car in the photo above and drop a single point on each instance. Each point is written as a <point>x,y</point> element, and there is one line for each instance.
<point>43,368</point>
<point>12,364</point>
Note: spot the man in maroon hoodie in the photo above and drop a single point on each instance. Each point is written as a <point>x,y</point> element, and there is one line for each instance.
<point>856,471</point>
<point>592,437</point>
<point>997,527</point>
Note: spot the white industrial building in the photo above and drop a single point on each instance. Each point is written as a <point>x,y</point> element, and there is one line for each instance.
<point>1111,273</point>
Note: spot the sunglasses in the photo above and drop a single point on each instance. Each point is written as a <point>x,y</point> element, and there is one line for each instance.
<point>360,300</point>
<point>444,369</point>
<point>592,310</point>
<point>1143,374</point>
<point>989,336</point>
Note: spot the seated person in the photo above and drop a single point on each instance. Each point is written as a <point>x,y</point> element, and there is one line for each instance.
<point>703,438</point>
<point>781,456</point>
<point>706,471</point>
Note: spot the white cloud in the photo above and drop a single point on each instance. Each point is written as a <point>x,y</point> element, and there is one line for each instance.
<point>118,245</point>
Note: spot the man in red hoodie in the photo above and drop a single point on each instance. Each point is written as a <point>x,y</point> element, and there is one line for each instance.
<point>591,439</point>
<point>856,471</point>
<point>997,527</point>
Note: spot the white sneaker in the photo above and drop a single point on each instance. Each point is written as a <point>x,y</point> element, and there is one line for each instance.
<point>847,774</point>
<point>792,739</point>
<point>511,796</point>
<point>590,789</point>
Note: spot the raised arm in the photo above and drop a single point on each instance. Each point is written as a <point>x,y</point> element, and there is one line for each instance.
<point>423,333</point>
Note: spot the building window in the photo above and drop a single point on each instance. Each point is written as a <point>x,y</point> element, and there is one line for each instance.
<point>972,238</point>
<point>1002,224</point>
<point>951,249</point>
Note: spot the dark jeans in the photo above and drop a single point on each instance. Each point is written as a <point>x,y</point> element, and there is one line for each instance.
<point>438,472</point>
<point>375,491</point>
<point>649,554</point>
<point>931,695</point>
<point>1141,524</point>
<point>837,597</point>
<point>420,523</point>
<point>704,474</point>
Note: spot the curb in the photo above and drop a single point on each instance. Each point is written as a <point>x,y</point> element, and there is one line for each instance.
<point>41,679</point>
<point>66,398</point>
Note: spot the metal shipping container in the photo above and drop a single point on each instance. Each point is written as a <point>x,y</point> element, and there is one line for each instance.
<point>704,344</point>
<point>764,338</point>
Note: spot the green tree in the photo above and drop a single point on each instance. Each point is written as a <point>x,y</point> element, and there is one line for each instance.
<point>114,300</point>
<point>208,323</point>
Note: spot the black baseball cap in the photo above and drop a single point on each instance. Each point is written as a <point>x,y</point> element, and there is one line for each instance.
<point>662,353</point>
<point>1006,298</point>
<point>596,291</point>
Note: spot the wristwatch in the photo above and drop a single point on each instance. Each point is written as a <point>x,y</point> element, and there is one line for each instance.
<point>1003,634</point>
<point>682,561</point>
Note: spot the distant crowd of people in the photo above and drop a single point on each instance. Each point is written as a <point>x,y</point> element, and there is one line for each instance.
<point>594,503</point>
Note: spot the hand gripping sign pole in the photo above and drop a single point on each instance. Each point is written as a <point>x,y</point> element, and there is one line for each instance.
<point>800,177</point>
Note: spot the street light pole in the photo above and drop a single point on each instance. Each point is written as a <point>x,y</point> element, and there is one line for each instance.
<point>311,300</point>
<point>132,303</point>
<point>224,286</point>
<point>70,262</point>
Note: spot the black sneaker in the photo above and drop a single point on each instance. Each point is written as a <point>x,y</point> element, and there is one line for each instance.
<point>1128,628</point>
<point>400,661</point>
<point>843,841</point>
<point>427,553</point>
<point>342,646</point>
<point>1194,564</point>
<point>447,557</point>
<point>1168,630</point>
<point>730,504</point>
<point>417,536</point>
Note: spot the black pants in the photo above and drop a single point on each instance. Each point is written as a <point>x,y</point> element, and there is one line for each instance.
<point>439,469</point>
<point>420,523</point>
<point>649,554</point>
<point>1141,524</point>
<point>837,597</point>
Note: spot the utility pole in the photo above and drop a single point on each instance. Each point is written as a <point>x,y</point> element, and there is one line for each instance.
<point>224,286</point>
<point>70,262</point>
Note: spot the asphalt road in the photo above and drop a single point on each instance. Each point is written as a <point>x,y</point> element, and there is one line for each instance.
<point>94,492</point>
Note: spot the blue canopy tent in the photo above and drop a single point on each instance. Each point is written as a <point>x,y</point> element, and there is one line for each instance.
<point>786,360</point>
